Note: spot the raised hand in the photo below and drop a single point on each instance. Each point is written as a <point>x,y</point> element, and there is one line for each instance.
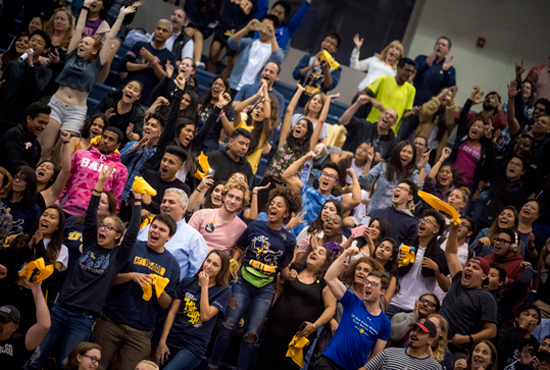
<point>203,279</point>
<point>446,153</point>
<point>65,136</point>
<point>109,112</point>
<point>443,93</point>
<point>223,100</point>
<point>370,153</point>
<point>363,99</point>
<point>352,251</point>
<point>424,160</point>
<point>415,109</point>
<point>296,220</point>
<point>129,129</point>
<point>351,173</point>
<point>488,129</point>
<point>253,25</point>
<point>476,95</point>
<point>454,90</point>
<point>169,68</point>
<point>300,87</point>
<point>430,59</point>
<point>180,81</point>
<point>310,156</point>
<point>447,63</point>
<point>519,69</point>
<point>333,96</point>
<point>206,183</point>
<point>357,41</point>
<point>513,89</point>
<point>125,10</point>
<point>140,144</point>
<point>526,358</point>
<point>105,173</point>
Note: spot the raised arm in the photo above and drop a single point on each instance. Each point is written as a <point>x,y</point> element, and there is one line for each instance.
<point>245,103</point>
<point>346,117</point>
<point>513,124</point>
<point>351,202</point>
<point>43,321</point>
<point>77,34</point>
<point>321,121</point>
<point>451,251</point>
<point>287,122</point>
<point>290,173</point>
<point>51,194</point>
<point>331,277</point>
<point>106,49</point>
<point>435,169</point>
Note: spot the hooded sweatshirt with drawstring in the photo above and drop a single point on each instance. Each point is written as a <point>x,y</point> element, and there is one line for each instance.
<point>85,168</point>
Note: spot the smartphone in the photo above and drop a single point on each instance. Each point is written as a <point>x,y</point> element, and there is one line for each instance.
<point>211,172</point>
<point>357,232</point>
<point>261,27</point>
<point>365,220</point>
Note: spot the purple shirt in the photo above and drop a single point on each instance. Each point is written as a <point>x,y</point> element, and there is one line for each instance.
<point>91,27</point>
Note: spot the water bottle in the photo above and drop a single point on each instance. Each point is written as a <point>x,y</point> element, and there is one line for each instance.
<point>24,57</point>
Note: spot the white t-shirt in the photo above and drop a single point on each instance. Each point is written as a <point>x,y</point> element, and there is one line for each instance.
<point>259,54</point>
<point>462,253</point>
<point>62,257</point>
<point>413,284</point>
<point>358,171</point>
<point>298,116</point>
<point>373,66</point>
<point>186,51</point>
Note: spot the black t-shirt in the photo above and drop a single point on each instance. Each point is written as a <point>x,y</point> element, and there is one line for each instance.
<point>467,309</point>
<point>298,303</point>
<point>13,353</point>
<point>360,130</point>
<point>153,178</point>
<point>188,330</point>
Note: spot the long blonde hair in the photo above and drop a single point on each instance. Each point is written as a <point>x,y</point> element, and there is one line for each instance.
<point>439,352</point>
<point>384,53</point>
<point>48,27</point>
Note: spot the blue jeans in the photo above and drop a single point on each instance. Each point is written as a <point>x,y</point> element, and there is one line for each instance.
<point>244,295</point>
<point>72,324</point>
<point>182,360</point>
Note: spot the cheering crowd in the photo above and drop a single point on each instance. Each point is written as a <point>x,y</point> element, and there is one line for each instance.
<point>181,226</point>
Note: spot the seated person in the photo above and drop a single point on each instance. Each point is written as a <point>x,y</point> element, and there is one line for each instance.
<point>254,54</point>
<point>427,304</point>
<point>316,75</point>
<point>21,142</point>
<point>145,62</point>
<point>22,82</point>
<point>187,245</point>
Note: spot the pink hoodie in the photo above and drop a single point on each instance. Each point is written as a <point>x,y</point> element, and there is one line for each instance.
<point>85,167</point>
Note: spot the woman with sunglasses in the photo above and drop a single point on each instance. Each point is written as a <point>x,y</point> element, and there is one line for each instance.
<point>83,295</point>
<point>427,304</point>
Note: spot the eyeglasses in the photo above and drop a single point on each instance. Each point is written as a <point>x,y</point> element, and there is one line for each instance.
<point>218,84</point>
<point>401,187</point>
<point>466,226</point>
<point>373,283</point>
<point>428,221</point>
<point>20,178</point>
<point>94,359</point>
<point>429,303</point>
<point>501,241</point>
<point>328,175</point>
<point>106,227</point>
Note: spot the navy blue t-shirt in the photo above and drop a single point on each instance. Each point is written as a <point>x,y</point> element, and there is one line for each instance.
<point>237,13</point>
<point>24,215</point>
<point>125,303</point>
<point>188,331</point>
<point>266,249</point>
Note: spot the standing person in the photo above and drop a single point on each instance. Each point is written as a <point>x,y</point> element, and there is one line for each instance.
<point>316,75</point>
<point>186,245</point>
<point>254,54</point>
<point>17,349</point>
<point>281,9</point>
<point>540,76</point>
<point>146,61</point>
<point>386,253</point>
<point>93,127</point>
<point>383,64</point>
<point>128,319</point>
<point>86,166</point>
<point>188,327</point>
<point>332,207</point>
<point>304,299</point>
<point>393,92</point>
<point>22,82</point>
<point>470,310</point>
<point>415,357</point>
<point>21,142</point>
<point>180,43</point>
<point>95,20</point>
<point>364,329</point>
<point>220,227</point>
<point>84,62</point>
<point>263,250</point>
<point>531,239</point>
<point>103,257</point>
<point>441,179</point>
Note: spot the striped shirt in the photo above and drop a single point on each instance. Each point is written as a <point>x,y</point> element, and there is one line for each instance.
<point>399,359</point>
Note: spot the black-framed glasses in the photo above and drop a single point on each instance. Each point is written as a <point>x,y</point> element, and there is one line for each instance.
<point>94,359</point>
<point>428,221</point>
<point>329,176</point>
<point>429,303</point>
<point>20,178</point>
<point>501,241</point>
<point>401,187</point>
<point>373,283</point>
<point>106,227</point>
<point>466,226</point>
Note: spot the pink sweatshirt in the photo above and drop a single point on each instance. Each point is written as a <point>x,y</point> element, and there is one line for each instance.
<point>85,167</point>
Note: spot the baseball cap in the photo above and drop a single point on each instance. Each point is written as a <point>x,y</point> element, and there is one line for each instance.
<point>483,263</point>
<point>426,326</point>
<point>10,313</point>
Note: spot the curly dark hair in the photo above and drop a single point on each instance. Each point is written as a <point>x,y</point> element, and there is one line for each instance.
<point>292,197</point>
<point>348,276</point>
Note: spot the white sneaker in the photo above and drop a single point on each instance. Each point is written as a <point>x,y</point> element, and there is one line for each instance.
<point>200,65</point>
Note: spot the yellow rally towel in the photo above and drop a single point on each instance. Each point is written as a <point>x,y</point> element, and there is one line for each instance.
<point>441,206</point>
<point>203,166</point>
<point>233,268</point>
<point>295,349</point>
<point>37,271</point>
<point>159,282</point>
<point>406,257</point>
<point>330,60</point>
<point>142,187</point>
<point>147,221</point>
<point>95,142</point>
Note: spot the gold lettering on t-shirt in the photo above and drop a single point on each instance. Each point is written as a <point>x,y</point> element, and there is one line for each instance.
<point>150,265</point>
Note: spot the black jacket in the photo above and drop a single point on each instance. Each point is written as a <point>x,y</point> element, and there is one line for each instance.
<point>360,130</point>
<point>509,297</point>
<point>403,226</point>
<point>433,252</point>
<point>225,166</point>
<point>135,116</point>
<point>23,148</point>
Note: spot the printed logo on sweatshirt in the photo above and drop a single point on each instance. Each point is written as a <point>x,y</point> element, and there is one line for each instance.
<point>90,263</point>
<point>245,5</point>
<point>7,349</point>
<point>266,259</point>
<point>93,165</point>
<point>145,262</point>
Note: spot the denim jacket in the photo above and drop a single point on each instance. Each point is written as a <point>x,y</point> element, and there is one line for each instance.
<point>378,174</point>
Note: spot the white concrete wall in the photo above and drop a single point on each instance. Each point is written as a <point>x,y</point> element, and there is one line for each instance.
<point>513,29</point>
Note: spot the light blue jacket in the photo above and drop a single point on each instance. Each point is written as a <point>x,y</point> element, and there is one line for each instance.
<point>187,246</point>
<point>243,47</point>
<point>378,174</point>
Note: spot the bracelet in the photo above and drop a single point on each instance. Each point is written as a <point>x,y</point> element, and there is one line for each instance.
<point>154,62</point>
<point>66,142</point>
<point>199,190</point>
<point>97,191</point>
<point>254,193</point>
<point>85,7</point>
<point>471,339</point>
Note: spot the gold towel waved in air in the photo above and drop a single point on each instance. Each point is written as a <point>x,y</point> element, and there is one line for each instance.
<point>37,271</point>
<point>142,187</point>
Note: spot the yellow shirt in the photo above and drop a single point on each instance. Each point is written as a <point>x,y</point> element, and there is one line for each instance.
<point>391,95</point>
<point>254,158</point>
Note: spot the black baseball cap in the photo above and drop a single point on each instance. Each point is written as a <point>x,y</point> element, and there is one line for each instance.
<point>426,326</point>
<point>10,313</point>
